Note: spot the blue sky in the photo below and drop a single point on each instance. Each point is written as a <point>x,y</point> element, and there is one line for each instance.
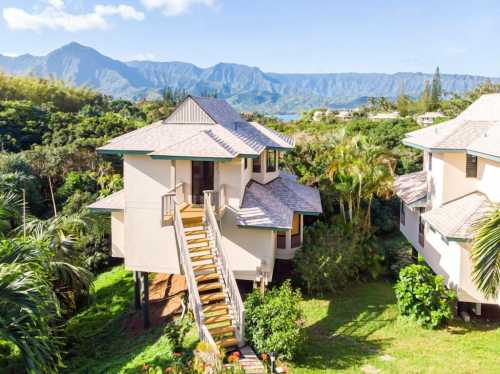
<point>276,35</point>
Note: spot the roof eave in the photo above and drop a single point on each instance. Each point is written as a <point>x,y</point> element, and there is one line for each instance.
<point>192,158</point>
<point>121,152</point>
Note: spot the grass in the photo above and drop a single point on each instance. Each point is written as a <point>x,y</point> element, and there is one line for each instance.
<point>361,327</point>
<point>98,340</point>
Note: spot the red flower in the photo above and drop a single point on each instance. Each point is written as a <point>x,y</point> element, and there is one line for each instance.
<point>169,370</point>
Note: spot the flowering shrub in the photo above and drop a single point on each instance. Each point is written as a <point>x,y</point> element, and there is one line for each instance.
<point>274,320</point>
<point>423,296</point>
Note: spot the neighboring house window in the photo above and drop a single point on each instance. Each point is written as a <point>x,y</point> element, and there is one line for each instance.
<point>421,229</point>
<point>471,166</point>
<point>256,164</point>
<point>402,217</point>
<point>430,162</point>
<point>271,160</point>
<point>245,163</point>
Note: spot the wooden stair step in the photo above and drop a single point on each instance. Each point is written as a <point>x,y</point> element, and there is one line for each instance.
<point>216,296</point>
<point>217,313</point>
<point>215,308</point>
<point>222,330</point>
<point>195,250</point>
<point>202,258</point>
<point>209,286</point>
<point>229,342</point>
<point>217,319</point>
<point>192,224</point>
<point>196,232</point>
<point>207,277</point>
<point>197,241</point>
<point>204,267</point>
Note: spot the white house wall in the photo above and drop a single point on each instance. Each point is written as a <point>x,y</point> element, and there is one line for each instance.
<point>410,228</point>
<point>436,179</point>
<point>247,248</point>
<point>183,170</point>
<point>455,183</point>
<point>117,234</point>
<point>489,174</point>
<point>230,175</point>
<point>149,246</point>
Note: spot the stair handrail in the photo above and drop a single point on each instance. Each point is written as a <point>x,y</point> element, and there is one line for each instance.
<point>227,272</point>
<point>187,266</point>
<point>167,202</point>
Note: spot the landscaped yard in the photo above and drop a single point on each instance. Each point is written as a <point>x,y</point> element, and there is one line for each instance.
<point>358,329</point>
<point>102,343</point>
<point>361,329</point>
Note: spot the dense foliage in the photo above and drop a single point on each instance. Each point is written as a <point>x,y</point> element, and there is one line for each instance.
<point>274,321</point>
<point>422,296</point>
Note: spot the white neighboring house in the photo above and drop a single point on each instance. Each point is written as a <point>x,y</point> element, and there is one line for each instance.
<point>383,116</point>
<point>203,196</point>
<point>460,183</point>
<point>345,115</point>
<point>428,118</point>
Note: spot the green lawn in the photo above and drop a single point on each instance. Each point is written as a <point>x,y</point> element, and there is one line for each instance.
<point>99,341</point>
<point>361,328</point>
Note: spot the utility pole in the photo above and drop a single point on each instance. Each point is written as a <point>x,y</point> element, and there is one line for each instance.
<point>24,212</point>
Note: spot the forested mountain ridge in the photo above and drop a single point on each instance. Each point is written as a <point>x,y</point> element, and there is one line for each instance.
<point>248,88</point>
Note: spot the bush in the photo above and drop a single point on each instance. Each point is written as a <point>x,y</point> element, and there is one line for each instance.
<point>274,320</point>
<point>334,255</point>
<point>176,331</point>
<point>423,297</point>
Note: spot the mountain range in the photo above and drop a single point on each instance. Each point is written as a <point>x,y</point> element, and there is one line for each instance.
<point>248,88</point>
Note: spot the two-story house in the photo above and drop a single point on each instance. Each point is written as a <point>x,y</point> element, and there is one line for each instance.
<point>204,196</point>
<point>459,184</point>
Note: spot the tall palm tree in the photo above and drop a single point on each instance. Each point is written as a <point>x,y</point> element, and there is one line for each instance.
<point>486,254</point>
<point>10,211</point>
<point>27,305</point>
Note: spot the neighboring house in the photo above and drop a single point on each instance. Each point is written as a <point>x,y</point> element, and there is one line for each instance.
<point>344,115</point>
<point>460,183</point>
<point>203,196</point>
<point>383,116</point>
<point>428,118</point>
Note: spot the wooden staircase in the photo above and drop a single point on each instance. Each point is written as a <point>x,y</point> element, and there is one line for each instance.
<point>209,282</point>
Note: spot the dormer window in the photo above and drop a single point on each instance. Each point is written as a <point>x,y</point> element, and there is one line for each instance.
<point>256,164</point>
<point>271,161</point>
<point>471,166</point>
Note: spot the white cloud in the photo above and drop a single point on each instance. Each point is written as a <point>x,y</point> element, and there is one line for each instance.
<point>54,17</point>
<point>143,57</point>
<point>10,54</point>
<point>175,7</point>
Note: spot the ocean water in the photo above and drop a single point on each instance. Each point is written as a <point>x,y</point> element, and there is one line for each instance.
<point>287,117</point>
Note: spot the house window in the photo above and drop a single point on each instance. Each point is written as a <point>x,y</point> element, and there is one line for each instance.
<point>429,166</point>
<point>402,217</point>
<point>245,163</point>
<point>271,160</point>
<point>295,232</point>
<point>471,166</point>
<point>421,229</point>
<point>256,164</point>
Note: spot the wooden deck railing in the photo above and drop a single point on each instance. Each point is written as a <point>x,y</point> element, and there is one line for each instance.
<point>228,276</point>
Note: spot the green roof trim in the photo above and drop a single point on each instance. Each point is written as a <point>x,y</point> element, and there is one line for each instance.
<point>264,227</point>
<point>484,155</point>
<point>305,213</point>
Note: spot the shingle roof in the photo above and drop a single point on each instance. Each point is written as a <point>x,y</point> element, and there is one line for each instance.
<point>272,205</point>
<point>232,134</point>
<point>411,187</point>
<point>474,130</point>
<point>115,201</point>
<point>455,219</point>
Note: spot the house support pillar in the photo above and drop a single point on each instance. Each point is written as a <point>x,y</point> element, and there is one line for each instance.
<point>414,254</point>
<point>137,290</point>
<point>145,299</point>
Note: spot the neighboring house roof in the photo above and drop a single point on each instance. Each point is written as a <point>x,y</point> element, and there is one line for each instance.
<point>476,131</point>
<point>230,137</point>
<point>391,115</point>
<point>431,115</point>
<point>455,219</point>
<point>411,187</point>
<point>115,201</point>
<point>272,205</point>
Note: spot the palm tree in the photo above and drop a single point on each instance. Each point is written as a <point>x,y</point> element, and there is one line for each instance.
<point>10,211</point>
<point>486,254</point>
<point>27,305</point>
<point>66,262</point>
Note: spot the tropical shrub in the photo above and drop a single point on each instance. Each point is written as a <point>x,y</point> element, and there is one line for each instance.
<point>274,320</point>
<point>423,297</point>
<point>176,331</point>
<point>333,255</point>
